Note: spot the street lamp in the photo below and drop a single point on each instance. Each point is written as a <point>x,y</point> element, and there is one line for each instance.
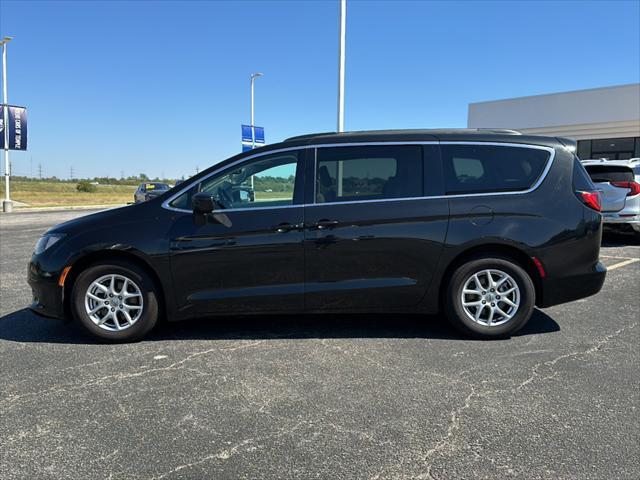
<point>253,130</point>
<point>341,54</point>
<point>253,77</point>
<point>6,204</point>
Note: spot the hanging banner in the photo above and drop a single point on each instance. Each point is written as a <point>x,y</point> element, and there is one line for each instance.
<point>17,127</point>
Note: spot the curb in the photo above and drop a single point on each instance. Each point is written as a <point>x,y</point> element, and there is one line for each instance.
<point>62,209</point>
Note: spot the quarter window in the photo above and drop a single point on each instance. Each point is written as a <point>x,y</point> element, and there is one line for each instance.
<point>491,168</point>
<point>368,173</point>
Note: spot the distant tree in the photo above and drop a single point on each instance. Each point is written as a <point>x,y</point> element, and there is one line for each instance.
<point>143,177</point>
<point>86,186</point>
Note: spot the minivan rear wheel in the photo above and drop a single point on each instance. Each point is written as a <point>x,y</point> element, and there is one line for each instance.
<point>490,297</point>
<point>115,301</point>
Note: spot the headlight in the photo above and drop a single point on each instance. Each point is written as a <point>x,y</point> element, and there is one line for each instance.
<point>46,241</point>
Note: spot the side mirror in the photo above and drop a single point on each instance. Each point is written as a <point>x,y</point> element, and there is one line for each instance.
<point>203,203</point>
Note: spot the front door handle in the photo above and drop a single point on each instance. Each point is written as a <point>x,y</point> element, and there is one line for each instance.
<point>324,224</point>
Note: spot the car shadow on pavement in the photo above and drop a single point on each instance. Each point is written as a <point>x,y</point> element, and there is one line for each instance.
<point>24,326</point>
<point>619,238</point>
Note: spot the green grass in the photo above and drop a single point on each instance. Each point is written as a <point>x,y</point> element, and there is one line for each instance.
<point>261,196</point>
<point>56,194</point>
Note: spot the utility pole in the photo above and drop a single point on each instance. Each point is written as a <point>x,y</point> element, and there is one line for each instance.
<point>71,173</point>
<point>7,204</point>
<point>40,171</point>
<point>197,169</point>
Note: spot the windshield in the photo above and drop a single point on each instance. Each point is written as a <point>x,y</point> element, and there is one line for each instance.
<point>156,186</point>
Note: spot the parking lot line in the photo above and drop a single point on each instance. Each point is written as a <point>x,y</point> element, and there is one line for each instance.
<point>622,264</point>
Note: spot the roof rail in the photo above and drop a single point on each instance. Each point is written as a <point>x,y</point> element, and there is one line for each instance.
<point>308,135</point>
<point>500,130</point>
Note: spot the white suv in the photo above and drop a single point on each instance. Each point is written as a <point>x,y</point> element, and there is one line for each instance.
<point>619,182</point>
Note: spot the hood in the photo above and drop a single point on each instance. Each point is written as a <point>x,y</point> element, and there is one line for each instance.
<point>111,216</point>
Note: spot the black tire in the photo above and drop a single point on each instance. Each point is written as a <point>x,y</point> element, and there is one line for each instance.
<point>147,319</point>
<point>453,301</point>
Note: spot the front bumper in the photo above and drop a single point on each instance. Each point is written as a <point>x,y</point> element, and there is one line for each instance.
<point>567,289</point>
<point>47,295</point>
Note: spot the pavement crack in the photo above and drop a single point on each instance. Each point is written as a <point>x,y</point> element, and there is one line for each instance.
<point>446,443</point>
<point>226,453</point>
<point>535,371</point>
<point>179,365</point>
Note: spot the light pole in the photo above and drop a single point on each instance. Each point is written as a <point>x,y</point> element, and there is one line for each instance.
<point>253,130</point>
<point>6,204</point>
<point>341,55</point>
<point>253,135</point>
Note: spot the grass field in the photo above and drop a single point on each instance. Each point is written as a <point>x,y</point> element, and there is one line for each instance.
<point>59,194</point>
<point>56,194</point>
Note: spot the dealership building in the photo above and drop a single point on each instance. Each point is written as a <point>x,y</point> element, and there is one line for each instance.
<point>604,121</point>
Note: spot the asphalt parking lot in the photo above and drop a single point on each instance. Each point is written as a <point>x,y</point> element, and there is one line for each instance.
<point>321,397</point>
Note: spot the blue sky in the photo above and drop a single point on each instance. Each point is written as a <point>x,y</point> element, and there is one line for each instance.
<point>163,86</point>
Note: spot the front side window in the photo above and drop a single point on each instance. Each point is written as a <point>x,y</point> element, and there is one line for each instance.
<point>491,168</point>
<point>267,181</point>
<point>368,173</point>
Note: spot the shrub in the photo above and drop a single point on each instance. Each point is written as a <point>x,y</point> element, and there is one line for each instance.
<point>86,186</point>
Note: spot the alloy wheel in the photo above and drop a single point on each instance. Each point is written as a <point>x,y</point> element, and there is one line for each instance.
<point>490,297</point>
<point>114,302</point>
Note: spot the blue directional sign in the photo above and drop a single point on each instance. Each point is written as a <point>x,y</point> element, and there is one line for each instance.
<point>252,137</point>
<point>259,135</point>
<point>247,136</point>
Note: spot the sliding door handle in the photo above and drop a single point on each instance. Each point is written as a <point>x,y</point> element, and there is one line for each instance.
<point>287,227</point>
<point>324,224</point>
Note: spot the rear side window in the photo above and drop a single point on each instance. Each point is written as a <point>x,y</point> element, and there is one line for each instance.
<point>368,173</point>
<point>581,180</point>
<point>491,168</point>
<point>610,173</point>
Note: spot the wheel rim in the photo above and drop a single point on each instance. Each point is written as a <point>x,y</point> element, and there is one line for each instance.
<point>114,302</point>
<point>490,297</point>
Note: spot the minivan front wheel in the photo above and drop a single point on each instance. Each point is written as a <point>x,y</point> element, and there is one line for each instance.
<point>115,301</point>
<point>490,297</point>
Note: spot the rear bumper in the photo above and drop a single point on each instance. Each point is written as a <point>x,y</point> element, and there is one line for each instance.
<point>567,289</point>
<point>620,218</point>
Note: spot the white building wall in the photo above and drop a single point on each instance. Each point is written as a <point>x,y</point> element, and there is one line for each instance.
<point>609,112</point>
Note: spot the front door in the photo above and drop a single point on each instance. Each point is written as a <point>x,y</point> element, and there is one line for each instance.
<point>253,261</point>
<point>373,238</point>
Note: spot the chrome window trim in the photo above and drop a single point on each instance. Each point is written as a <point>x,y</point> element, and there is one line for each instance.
<point>541,178</point>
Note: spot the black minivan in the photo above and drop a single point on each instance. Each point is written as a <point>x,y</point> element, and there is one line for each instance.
<point>481,224</point>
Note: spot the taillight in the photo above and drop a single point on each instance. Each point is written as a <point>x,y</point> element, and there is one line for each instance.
<point>634,187</point>
<point>591,199</point>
